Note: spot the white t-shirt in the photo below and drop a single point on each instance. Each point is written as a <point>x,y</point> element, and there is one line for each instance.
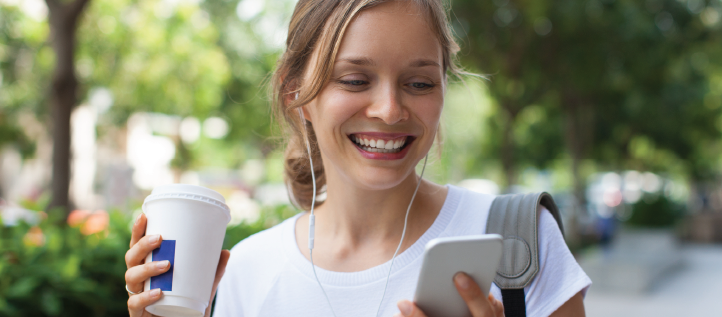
<point>268,276</point>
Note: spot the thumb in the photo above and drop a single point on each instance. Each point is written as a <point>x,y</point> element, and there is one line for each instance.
<point>496,305</point>
<point>408,309</point>
<point>220,270</point>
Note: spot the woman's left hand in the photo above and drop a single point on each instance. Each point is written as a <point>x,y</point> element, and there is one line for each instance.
<point>479,305</point>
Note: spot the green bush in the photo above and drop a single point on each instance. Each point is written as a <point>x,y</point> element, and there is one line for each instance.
<point>655,211</point>
<point>67,274</point>
<point>56,270</point>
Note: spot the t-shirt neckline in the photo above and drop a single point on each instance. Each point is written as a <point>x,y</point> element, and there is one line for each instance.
<point>378,272</point>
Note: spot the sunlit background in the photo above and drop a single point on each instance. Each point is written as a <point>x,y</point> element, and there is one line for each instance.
<point>613,106</point>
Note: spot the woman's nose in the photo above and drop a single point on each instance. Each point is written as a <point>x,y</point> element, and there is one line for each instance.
<point>388,106</point>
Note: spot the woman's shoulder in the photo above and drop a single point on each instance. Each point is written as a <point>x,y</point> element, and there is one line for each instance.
<point>469,201</point>
<point>254,265</point>
<point>466,210</point>
<point>262,247</point>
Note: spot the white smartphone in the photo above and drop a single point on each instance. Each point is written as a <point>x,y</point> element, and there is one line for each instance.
<point>477,255</point>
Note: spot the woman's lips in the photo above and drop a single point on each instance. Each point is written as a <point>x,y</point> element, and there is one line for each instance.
<point>382,146</point>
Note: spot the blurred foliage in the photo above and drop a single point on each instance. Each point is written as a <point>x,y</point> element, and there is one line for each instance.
<point>629,84</point>
<point>51,270</point>
<point>655,211</point>
<point>620,84</point>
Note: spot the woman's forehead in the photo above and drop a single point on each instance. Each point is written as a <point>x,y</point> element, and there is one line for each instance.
<point>396,31</point>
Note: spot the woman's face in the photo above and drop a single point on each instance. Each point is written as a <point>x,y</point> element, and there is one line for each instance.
<point>377,116</point>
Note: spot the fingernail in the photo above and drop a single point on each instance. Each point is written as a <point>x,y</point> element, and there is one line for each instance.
<point>405,307</point>
<point>162,264</point>
<point>462,280</point>
<point>137,219</point>
<point>153,238</point>
<point>155,293</point>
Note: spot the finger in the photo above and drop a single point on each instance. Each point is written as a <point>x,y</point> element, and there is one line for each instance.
<point>408,309</point>
<point>140,250</point>
<point>138,230</point>
<point>220,270</point>
<point>137,275</point>
<point>497,306</point>
<point>473,296</point>
<point>138,303</point>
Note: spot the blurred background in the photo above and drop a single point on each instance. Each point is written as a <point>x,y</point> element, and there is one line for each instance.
<point>613,106</point>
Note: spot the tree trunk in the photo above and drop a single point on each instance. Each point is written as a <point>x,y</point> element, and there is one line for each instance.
<point>576,137</point>
<point>574,147</point>
<point>63,25</point>
<point>507,148</point>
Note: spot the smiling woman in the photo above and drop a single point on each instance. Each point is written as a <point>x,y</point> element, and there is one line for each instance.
<point>360,90</point>
<point>329,58</point>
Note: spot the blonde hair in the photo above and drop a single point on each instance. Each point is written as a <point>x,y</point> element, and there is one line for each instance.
<point>319,25</point>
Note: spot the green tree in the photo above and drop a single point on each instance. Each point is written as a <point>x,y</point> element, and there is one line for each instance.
<point>603,73</point>
<point>24,71</point>
<point>63,20</point>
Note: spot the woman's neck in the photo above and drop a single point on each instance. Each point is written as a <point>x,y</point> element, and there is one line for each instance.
<point>356,213</point>
<point>359,228</point>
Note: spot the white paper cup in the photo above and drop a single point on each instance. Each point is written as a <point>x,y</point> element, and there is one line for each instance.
<point>192,221</point>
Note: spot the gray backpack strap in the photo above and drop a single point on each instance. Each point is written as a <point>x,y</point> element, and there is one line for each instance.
<point>514,217</point>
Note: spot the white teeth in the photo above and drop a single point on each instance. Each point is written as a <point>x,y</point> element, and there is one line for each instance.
<point>380,146</point>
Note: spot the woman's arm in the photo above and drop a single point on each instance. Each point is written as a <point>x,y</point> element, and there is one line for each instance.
<point>574,307</point>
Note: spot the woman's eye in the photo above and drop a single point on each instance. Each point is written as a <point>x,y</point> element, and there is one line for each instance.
<point>353,82</point>
<point>421,85</point>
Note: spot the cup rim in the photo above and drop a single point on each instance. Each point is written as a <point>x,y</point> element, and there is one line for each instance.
<point>188,192</point>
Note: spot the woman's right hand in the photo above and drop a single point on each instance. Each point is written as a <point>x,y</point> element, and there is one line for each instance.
<point>139,271</point>
<point>479,305</point>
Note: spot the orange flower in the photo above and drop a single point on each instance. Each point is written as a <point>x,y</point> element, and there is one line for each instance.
<point>95,222</point>
<point>77,217</point>
<point>34,237</point>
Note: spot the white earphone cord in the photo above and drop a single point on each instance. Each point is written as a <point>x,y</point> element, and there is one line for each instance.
<point>312,222</point>
<point>403,233</point>
<point>312,218</point>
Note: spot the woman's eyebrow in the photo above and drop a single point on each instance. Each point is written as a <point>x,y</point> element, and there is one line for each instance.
<point>423,63</point>
<point>365,61</point>
<point>361,61</point>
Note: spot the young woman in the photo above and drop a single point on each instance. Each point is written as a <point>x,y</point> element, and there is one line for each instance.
<point>370,78</point>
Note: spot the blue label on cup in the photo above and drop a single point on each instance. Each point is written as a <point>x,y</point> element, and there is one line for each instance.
<point>166,251</point>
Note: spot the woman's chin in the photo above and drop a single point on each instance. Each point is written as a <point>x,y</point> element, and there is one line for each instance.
<point>381,180</point>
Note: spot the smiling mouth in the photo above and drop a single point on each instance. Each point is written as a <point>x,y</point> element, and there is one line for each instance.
<point>380,145</point>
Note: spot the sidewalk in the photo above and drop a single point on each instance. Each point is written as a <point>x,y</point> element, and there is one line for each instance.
<point>695,289</point>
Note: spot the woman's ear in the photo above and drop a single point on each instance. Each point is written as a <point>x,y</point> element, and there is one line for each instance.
<point>289,98</point>
<point>306,114</point>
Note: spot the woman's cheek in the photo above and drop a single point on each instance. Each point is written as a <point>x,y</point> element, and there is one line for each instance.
<point>342,105</point>
<point>430,112</point>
